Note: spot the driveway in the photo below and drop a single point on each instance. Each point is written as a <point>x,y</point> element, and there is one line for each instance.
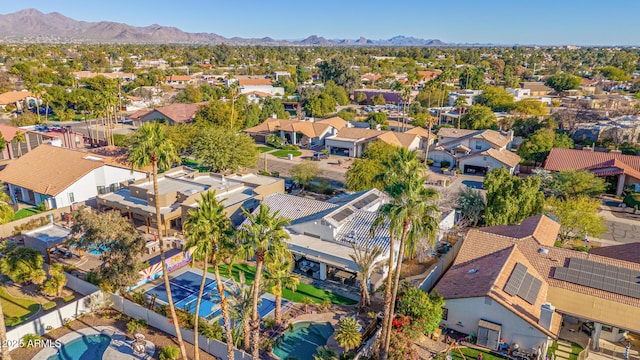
<point>331,170</point>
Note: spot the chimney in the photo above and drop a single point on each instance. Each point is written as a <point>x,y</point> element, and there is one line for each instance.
<point>274,116</point>
<point>546,315</point>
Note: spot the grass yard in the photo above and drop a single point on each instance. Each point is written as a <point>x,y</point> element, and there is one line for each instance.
<point>264,149</point>
<point>285,153</point>
<point>20,309</point>
<point>303,290</point>
<point>472,354</point>
<point>575,350</point>
<point>23,213</point>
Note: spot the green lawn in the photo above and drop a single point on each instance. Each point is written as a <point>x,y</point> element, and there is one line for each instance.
<point>264,149</point>
<point>285,153</point>
<point>23,213</point>
<point>16,310</point>
<point>472,354</point>
<point>575,350</point>
<point>303,290</point>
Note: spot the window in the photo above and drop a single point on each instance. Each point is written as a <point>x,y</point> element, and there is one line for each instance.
<point>445,313</point>
<point>114,187</point>
<point>71,198</point>
<point>101,190</point>
<point>478,146</point>
<point>607,328</point>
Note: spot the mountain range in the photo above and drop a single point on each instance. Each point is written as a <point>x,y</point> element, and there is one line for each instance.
<point>31,25</point>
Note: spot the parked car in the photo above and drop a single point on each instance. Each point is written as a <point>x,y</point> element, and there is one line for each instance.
<point>317,156</point>
<point>288,185</point>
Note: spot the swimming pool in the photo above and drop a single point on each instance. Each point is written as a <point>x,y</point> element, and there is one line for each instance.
<point>303,341</point>
<point>87,347</point>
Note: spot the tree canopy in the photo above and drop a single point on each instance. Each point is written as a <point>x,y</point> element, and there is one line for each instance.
<point>563,81</point>
<point>479,117</point>
<point>364,173</point>
<point>305,172</point>
<point>578,216</point>
<point>223,149</point>
<point>320,105</point>
<point>471,78</point>
<point>511,199</point>
<point>497,98</point>
<point>533,107</point>
<point>424,310</point>
<point>537,146</point>
<point>571,183</point>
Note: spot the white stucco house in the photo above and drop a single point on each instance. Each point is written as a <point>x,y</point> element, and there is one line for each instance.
<point>61,177</point>
<point>352,141</point>
<point>474,151</point>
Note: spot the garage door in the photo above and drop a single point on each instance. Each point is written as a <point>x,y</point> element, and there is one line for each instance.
<point>488,334</point>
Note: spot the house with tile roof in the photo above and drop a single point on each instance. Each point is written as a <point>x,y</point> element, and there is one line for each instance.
<point>510,282</point>
<point>617,168</point>
<point>21,100</point>
<point>474,151</point>
<point>35,136</point>
<point>60,177</point>
<point>352,141</point>
<point>175,113</point>
<point>296,132</point>
<point>262,84</point>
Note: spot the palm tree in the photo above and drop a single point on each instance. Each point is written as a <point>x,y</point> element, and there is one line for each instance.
<point>242,298</point>
<point>19,138</point>
<point>278,275</point>
<point>461,104</point>
<point>22,264</point>
<point>3,336</point>
<point>471,205</point>
<point>325,353</point>
<point>150,145</point>
<point>431,120</point>
<point>206,227</point>
<point>412,211</point>
<point>348,334</point>
<point>364,259</point>
<point>262,231</point>
<point>233,91</point>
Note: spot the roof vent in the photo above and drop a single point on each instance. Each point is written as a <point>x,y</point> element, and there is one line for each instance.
<point>473,271</point>
<point>543,251</point>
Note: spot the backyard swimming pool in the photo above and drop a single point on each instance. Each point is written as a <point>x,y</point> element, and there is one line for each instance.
<point>86,347</point>
<point>303,341</point>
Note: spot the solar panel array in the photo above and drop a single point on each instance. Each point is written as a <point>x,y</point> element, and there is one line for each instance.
<point>365,201</point>
<point>601,276</point>
<point>342,214</point>
<point>523,284</point>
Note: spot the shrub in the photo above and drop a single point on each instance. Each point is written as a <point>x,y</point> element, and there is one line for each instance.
<point>169,353</point>
<point>264,173</point>
<point>458,171</point>
<point>93,277</point>
<point>120,140</point>
<point>30,340</point>
<point>210,331</point>
<point>429,162</point>
<point>136,324</point>
<point>69,268</point>
<point>138,297</point>
<point>632,200</point>
<point>12,321</point>
<point>69,298</point>
<point>445,163</point>
<point>290,147</point>
<point>583,248</point>
<point>270,323</point>
<point>48,306</point>
<point>275,174</point>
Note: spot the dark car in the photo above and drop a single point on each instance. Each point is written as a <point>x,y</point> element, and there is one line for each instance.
<point>587,328</point>
<point>288,185</point>
<point>317,156</point>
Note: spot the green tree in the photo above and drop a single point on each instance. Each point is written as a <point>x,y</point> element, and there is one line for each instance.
<point>119,243</point>
<point>471,78</point>
<point>25,119</point>
<point>347,114</point>
<point>339,70</point>
<point>533,107</point>
<point>432,96</point>
<point>378,100</point>
<point>526,126</point>
<point>348,334</point>
<point>361,98</point>
<point>6,209</point>
<point>150,146</point>
<point>537,146</point>
<point>470,205</point>
<point>497,98</point>
<point>215,113</point>
<point>56,281</point>
<point>305,172</point>
<point>479,117</point>
<point>320,105</point>
<point>189,95</point>
<point>19,138</point>
<point>206,226</point>
<point>338,93</point>
<point>412,214</point>
<point>511,199</point>
<point>223,149</point>
<point>279,275</point>
<point>571,183</point>
<point>22,264</point>
<point>364,258</point>
<point>325,353</point>
<point>578,216</point>
<point>263,230</point>
<point>614,73</point>
<point>364,173</point>
<point>563,82</point>
<point>424,310</point>
<point>273,106</point>
<point>377,118</point>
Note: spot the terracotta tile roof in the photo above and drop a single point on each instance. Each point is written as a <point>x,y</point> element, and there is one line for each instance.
<point>140,114</point>
<point>493,137</point>
<point>335,121</point>
<point>254,81</point>
<point>307,128</point>
<point>13,96</point>
<point>115,156</point>
<point>49,169</point>
<point>178,78</point>
<point>260,94</point>
<point>358,133</point>
<point>397,138</point>
<point>455,133</point>
<point>422,132</point>
<point>540,227</point>
<point>571,159</point>
<point>429,75</point>
<point>398,124</point>
<point>9,132</point>
<point>502,155</point>
<point>180,113</point>
<point>627,252</point>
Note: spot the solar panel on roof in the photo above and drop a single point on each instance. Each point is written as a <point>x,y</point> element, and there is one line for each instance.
<point>515,279</point>
<point>533,292</point>
<point>365,201</point>
<point>342,214</point>
<point>605,277</point>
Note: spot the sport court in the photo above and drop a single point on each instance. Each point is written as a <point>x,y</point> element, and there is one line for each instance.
<point>184,290</point>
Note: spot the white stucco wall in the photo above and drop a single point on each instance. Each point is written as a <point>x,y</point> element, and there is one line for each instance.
<point>438,156</point>
<point>464,315</point>
<point>483,161</point>
<point>346,144</point>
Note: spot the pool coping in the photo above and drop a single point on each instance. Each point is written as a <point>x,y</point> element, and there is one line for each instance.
<point>119,342</point>
<point>333,325</point>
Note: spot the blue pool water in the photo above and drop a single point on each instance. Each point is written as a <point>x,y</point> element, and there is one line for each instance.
<point>303,341</point>
<point>89,347</point>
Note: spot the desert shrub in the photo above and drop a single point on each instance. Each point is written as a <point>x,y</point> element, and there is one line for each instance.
<point>136,324</point>
<point>169,353</point>
<point>31,340</point>
<point>48,306</point>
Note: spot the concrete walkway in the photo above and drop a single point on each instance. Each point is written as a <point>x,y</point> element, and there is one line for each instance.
<point>119,348</point>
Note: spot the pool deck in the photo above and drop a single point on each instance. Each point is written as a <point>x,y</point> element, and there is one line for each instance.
<point>331,317</point>
<point>119,348</point>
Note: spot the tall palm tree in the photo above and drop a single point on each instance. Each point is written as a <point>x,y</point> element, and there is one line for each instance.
<point>242,298</point>
<point>461,104</point>
<point>3,336</point>
<point>279,275</point>
<point>150,146</point>
<point>262,231</point>
<point>206,226</point>
<point>19,138</point>
<point>412,211</point>
<point>364,259</point>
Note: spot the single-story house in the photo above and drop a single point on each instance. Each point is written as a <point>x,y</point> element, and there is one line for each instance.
<point>126,77</point>
<point>390,96</point>
<point>179,80</point>
<point>615,167</point>
<point>296,132</point>
<point>61,177</point>
<point>352,142</point>
<point>22,100</point>
<point>175,113</point>
<point>536,88</point>
<point>35,136</point>
<point>249,84</point>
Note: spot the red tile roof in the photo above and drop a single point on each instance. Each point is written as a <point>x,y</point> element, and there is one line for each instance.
<point>627,252</point>
<point>9,132</point>
<point>600,163</point>
<point>254,81</point>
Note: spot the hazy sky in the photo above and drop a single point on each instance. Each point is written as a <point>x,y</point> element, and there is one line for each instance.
<point>585,22</point>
